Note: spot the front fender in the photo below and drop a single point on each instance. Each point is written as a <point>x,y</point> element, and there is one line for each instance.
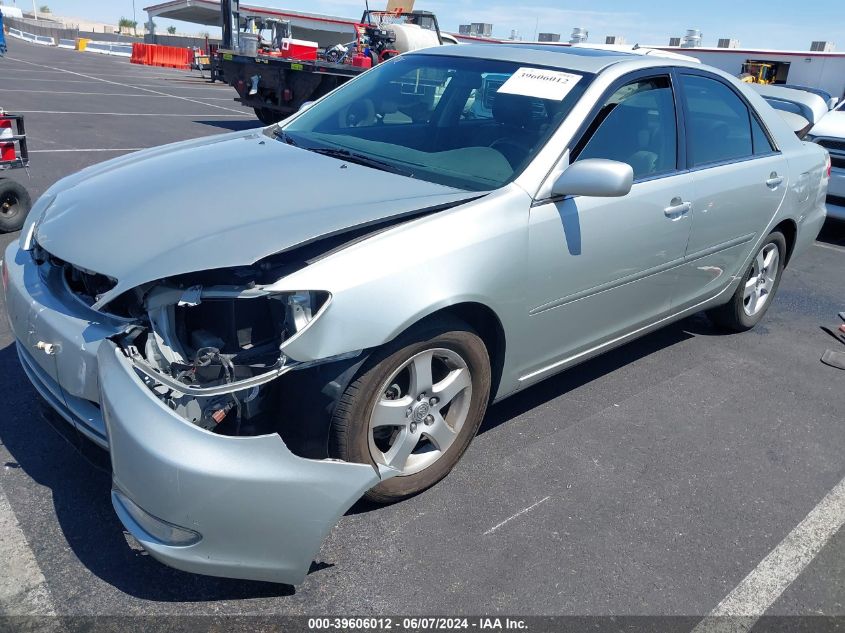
<point>383,285</point>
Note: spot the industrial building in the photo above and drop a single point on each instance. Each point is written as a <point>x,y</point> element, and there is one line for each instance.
<point>820,67</point>
<point>816,69</point>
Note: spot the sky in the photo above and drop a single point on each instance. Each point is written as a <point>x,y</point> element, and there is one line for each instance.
<point>784,24</point>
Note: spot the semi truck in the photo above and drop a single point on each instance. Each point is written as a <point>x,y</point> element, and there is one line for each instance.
<point>274,73</point>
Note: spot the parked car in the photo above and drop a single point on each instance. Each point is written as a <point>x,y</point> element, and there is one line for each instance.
<point>830,134</point>
<point>831,101</point>
<point>805,104</point>
<point>256,359</point>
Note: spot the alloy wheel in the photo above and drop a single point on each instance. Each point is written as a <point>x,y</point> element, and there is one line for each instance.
<point>420,411</point>
<point>761,282</point>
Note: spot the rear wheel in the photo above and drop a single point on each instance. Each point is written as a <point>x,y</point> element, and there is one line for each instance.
<point>14,205</point>
<point>415,407</point>
<point>757,288</point>
<point>268,116</point>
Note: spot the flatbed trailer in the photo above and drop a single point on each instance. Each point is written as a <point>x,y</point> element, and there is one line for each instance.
<point>276,87</point>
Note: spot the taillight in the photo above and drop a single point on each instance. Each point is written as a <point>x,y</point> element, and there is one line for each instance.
<point>829,166</point>
<point>5,273</point>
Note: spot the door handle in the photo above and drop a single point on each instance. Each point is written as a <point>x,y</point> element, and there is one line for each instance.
<point>677,209</point>
<point>774,180</point>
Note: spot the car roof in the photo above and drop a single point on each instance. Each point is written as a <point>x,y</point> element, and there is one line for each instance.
<point>587,60</point>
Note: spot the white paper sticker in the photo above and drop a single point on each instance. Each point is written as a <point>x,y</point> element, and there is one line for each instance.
<point>541,83</point>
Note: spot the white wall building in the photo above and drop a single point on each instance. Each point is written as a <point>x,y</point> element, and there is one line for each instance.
<point>825,70</point>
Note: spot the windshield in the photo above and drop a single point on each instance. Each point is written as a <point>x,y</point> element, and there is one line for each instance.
<point>469,123</point>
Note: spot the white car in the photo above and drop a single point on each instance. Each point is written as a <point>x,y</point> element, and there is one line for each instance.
<point>830,134</point>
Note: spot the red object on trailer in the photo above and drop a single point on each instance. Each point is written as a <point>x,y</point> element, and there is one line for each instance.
<point>7,150</point>
<point>362,61</point>
<point>299,49</point>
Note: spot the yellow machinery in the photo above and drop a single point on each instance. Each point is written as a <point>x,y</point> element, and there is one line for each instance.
<point>758,73</point>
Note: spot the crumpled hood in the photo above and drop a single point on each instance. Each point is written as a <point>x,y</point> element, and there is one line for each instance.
<point>223,201</point>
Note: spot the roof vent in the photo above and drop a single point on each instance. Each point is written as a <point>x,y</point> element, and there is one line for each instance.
<point>692,39</point>
<point>579,34</point>
<point>822,47</point>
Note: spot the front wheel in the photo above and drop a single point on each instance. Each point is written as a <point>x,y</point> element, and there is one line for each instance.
<point>14,205</point>
<point>757,288</point>
<point>415,407</point>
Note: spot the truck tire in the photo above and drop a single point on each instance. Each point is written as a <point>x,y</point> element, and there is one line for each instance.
<point>268,116</point>
<point>14,205</point>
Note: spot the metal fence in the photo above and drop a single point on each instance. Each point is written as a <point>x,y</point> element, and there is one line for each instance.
<point>41,28</point>
<point>182,41</point>
<point>110,37</point>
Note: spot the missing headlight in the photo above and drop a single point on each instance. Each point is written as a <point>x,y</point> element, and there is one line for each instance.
<point>213,353</point>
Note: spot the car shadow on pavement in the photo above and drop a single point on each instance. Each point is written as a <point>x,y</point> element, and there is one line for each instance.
<point>833,232</point>
<point>234,125</point>
<point>593,369</point>
<point>561,384</point>
<point>80,484</point>
<point>80,480</point>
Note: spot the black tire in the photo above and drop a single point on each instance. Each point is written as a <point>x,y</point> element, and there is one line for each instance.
<point>350,433</point>
<point>14,205</point>
<point>733,316</point>
<point>268,116</point>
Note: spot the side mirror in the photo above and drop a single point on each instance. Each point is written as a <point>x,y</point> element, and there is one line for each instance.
<point>596,177</point>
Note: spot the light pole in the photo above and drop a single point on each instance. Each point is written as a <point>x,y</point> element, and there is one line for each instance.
<point>134,20</point>
<point>34,11</point>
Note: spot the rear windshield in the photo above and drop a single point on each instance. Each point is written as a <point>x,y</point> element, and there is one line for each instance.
<point>469,123</point>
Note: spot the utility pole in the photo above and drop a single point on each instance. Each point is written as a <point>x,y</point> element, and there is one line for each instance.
<point>34,11</point>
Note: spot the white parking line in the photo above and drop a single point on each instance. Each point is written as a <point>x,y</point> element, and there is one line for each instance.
<point>56,69</point>
<point>511,518</point>
<point>196,116</point>
<point>117,83</point>
<point>105,94</point>
<point>23,589</point>
<point>743,606</point>
<point>55,151</point>
<point>90,94</point>
<point>831,247</point>
<point>217,87</point>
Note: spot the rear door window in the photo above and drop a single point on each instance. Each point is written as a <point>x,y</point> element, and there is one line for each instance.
<point>718,122</point>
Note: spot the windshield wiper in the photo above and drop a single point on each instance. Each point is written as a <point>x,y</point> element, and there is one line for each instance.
<point>361,159</point>
<point>283,136</point>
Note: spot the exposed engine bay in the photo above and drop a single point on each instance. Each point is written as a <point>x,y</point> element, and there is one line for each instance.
<point>211,352</point>
<point>208,344</point>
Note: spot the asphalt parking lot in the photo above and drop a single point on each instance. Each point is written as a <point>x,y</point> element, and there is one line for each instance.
<point>650,481</point>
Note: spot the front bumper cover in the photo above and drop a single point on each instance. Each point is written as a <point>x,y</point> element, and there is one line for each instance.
<point>260,510</point>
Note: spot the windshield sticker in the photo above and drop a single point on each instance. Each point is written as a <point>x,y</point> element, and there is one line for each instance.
<point>540,83</point>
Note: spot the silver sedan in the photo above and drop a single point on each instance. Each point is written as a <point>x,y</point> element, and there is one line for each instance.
<point>331,316</point>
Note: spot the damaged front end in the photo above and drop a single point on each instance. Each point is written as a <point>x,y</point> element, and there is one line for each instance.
<point>208,348</point>
<point>210,345</point>
<point>197,404</point>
